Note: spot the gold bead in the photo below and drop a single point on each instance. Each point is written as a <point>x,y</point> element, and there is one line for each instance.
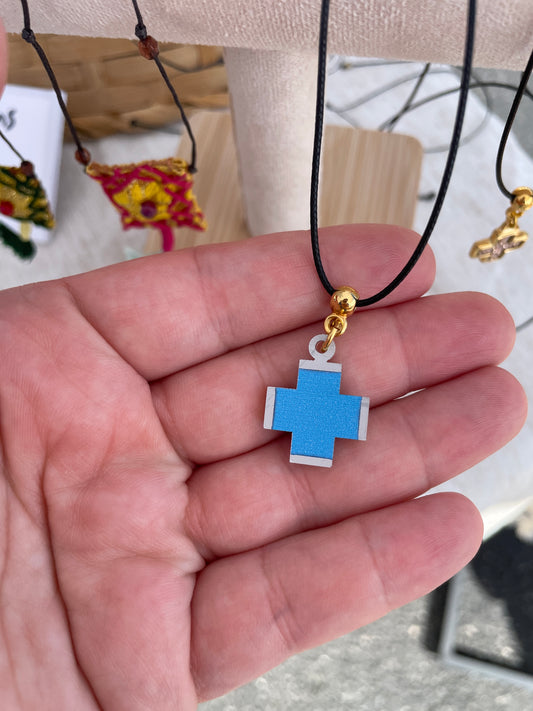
<point>523,198</point>
<point>344,300</point>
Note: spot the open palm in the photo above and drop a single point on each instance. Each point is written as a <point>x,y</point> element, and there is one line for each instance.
<point>157,548</point>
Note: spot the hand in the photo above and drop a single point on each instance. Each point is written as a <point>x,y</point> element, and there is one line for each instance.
<point>157,547</point>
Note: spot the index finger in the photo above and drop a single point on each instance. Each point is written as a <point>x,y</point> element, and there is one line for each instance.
<point>168,312</point>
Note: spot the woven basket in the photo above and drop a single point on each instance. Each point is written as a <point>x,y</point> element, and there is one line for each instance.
<point>112,89</point>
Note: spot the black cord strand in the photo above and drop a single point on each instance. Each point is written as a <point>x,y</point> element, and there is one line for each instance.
<point>192,165</point>
<point>375,93</point>
<point>467,137</point>
<point>319,124</point>
<point>522,88</point>
<point>477,83</point>
<point>26,13</point>
<point>6,139</point>
<point>408,107</point>
<point>454,145</point>
<point>141,33</point>
<point>391,123</point>
<point>365,64</point>
<point>483,85</point>
<point>28,35</point>
<point>140,27</point>
<point>528,322</point>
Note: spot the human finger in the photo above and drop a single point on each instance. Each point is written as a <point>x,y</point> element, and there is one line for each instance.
<point>413,444</point>
<point>171,311</point>
<point>386,353</point>
<point>251,611</point>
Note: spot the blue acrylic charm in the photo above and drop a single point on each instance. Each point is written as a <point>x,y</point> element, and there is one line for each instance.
<point>316,412</point>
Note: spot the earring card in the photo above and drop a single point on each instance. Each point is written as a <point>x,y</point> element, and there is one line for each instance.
<point>32,121</point>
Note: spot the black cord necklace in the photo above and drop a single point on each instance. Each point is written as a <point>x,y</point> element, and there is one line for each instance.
<point>318,388</point>
<point>454,145</point>
<point>522,88</point>
<point>149,194</point>
<point>412,105</point>
<point>508,237</point>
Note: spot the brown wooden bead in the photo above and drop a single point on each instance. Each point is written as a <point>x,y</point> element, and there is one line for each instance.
<point>148,47</point>
<point>83,156</point>
<point>27,168</point>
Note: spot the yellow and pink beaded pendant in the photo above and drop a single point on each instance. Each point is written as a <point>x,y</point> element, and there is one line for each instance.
<point>155,193</point>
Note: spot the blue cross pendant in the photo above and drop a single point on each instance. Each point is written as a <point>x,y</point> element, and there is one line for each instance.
<point>316,413</point>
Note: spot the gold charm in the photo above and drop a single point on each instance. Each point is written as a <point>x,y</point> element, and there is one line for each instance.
<point>343,303</point>
<point>508,237</point>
